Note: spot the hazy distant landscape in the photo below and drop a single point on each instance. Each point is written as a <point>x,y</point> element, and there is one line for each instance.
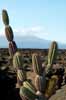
<point>29,41</point>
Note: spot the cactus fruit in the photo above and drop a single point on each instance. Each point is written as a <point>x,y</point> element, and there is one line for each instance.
<point>5,17</point>
<point>21,76</point>
<point>28,93</point>
<point>51,55</point>
<point>9,33</point>
<point>37,66</point>
<point>17,61</point>
<point>29,85</point>
<point>40,83</point>
<point>51,86</point>
<point>12,48</point>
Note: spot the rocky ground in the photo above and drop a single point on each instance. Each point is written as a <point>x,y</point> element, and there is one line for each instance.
<point>8,78</point>
<point>60,94</point>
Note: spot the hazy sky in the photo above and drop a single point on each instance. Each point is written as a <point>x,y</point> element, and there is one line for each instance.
<point>43,18</point>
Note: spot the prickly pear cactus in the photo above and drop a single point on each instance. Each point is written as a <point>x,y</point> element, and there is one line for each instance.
<point>12,48</point>
<point>9,33</point>
<point>5,17</point>
<point>18,61</point>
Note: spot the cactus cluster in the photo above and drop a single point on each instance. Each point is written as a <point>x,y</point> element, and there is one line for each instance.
<point>44,86</point>
<point>14,54</point>
<point>28,92</point>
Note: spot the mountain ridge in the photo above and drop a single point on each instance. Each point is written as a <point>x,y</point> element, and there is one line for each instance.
<point>29,41</point>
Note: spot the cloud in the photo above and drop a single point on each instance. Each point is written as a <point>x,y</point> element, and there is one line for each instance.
<point>36,30</point>
<point>29,29</point>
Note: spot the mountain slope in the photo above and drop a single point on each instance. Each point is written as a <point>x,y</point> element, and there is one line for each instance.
<point>29,42</point>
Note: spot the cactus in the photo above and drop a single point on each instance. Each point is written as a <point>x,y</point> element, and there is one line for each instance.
<point>21,76</point>
<point>37,66</point>
<point>24,97</point>
<point>40,96</point>
<point>9,33</point>
<point>27,90</point>
<point>51,55</point>
<point>51,86</point>
<point>18,61</point>
<point>40,83</point>
<point>28,93</point>
<point>5,17</point>
<point>29,85</point>
<point>18,65</point>
<point>12,48</point>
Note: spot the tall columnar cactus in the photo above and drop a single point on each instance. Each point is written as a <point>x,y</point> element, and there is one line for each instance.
<point>21,77</point>
<point>29,85</point>
<point>27,93</point>
<point>40,79</point>
<point>51,86</point>
<point>18,66</point>
<point>12,48</point>
<point>37,66</point>
<point>40,83</point>
<point>18,60</point>
<point>51,55</point>
<point>9,33</point>
<point>5,17</point>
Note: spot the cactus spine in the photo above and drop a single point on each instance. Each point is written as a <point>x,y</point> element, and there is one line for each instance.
<point>5,17</point>
<point>37,66</point>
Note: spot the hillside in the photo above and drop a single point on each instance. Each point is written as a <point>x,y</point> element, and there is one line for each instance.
<point>29,41</point>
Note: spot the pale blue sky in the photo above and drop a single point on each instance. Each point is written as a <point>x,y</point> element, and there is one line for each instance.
<point>43,18</point>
